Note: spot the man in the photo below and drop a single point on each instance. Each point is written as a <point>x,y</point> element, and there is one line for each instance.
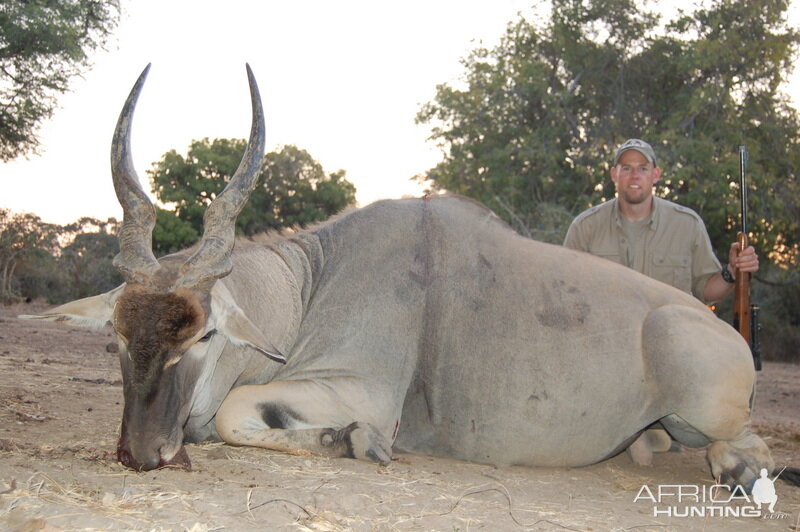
<point>656,237</point>
<point>660,239</point>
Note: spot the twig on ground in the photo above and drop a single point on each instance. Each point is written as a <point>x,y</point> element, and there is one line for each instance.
<point>507,496</point>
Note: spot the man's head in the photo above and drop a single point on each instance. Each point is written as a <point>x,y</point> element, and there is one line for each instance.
<point>635,172</point>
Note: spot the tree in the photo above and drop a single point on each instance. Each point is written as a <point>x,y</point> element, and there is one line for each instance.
<point>59,263</point>
<point>171,233</point>
<point>532,131</point>
<point>86,262</point>
<point>43,44</point>
<point>292,190</point>
<point>21,236</point>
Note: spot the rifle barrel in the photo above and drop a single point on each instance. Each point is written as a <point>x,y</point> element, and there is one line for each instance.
<point>743,156</point>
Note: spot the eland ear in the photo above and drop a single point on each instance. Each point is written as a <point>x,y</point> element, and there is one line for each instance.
<point>234,324</point>
<point>241,331</point>
<point>95,311</point>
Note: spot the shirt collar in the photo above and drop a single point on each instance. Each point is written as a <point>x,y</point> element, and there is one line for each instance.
<point>655,215</point>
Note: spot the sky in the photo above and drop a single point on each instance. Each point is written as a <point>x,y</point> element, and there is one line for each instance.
<point>342,80</point>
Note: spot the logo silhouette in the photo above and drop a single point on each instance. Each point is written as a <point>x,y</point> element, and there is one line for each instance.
<point>764,490</point>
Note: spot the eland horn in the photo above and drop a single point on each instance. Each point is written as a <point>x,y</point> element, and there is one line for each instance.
<point>212,260</point>
<point>135,260</point>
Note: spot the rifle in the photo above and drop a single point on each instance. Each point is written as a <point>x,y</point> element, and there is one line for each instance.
<point>745,314</point>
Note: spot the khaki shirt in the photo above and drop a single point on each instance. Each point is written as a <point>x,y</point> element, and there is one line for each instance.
<point>677,250</point>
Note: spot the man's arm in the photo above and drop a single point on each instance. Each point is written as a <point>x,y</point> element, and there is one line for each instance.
<point>745,262</point>
<point>716,288</point>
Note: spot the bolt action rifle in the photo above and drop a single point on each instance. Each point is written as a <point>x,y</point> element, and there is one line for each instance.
<point>745,314</point>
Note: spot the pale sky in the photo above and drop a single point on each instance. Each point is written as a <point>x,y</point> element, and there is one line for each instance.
<point>342,80</point>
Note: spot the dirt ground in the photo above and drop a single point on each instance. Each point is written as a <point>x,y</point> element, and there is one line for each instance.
<point>61,404</point>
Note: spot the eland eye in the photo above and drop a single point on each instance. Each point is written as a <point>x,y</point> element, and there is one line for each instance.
<point>208,335</point>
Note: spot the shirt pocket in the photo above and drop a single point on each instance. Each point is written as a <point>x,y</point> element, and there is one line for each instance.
<point>675,270</point>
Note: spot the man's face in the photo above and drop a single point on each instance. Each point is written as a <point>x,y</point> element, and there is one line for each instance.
<point>635,177</point>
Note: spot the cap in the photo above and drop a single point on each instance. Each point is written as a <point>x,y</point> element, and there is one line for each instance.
<point>638,145</point>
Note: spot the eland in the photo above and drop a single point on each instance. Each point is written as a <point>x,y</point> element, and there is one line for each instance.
<point>426,325</point>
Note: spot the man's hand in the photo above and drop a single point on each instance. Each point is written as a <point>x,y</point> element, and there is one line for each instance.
<point>746,261</point>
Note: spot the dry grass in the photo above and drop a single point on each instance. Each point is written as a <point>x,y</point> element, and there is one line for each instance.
<point>132,508</point>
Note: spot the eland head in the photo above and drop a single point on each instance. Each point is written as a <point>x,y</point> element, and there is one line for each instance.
<point>171,317</point>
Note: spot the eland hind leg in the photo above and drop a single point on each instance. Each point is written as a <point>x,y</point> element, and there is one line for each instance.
<point>734,459</point>
<point>705,378</point>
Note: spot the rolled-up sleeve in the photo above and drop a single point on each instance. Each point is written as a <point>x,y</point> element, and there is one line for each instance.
<point>575,238</point>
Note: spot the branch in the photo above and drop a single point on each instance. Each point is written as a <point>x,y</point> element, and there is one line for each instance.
<point>516,218</point>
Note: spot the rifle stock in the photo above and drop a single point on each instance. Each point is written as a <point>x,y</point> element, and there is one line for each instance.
<point>741,310</point>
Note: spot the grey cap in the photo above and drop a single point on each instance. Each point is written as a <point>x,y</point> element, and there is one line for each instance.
<point>638,145</point>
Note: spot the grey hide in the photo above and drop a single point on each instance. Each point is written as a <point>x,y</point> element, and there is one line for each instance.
<point>481,344</point>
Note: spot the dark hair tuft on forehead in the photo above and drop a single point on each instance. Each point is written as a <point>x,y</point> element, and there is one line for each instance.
<point>154,324</point>
<point>172,318</point>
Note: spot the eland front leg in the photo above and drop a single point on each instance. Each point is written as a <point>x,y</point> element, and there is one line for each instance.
<point>304,417</point>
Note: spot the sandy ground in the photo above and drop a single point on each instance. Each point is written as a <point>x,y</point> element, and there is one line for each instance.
<point>61,404</point>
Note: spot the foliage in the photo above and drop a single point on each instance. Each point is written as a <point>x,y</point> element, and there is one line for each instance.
<point>538,117</point>
<point>187,185</point>
<point>38,276</point>
<point>86,262</point>
<point>778,295</point>
<point>43,44</point>
<point>22,237</point>
<point>292,190</point>
<point>55,262</point>
<point>172,234</point>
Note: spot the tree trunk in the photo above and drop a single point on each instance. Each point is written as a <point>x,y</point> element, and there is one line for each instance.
<point>5,281</point>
